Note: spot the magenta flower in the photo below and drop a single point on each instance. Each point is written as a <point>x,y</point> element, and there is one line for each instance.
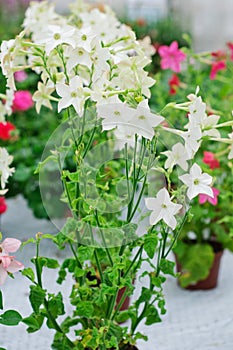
<point>209,158</point>
<point>171,57</point>
<point>215,67</point>
<point>22,101</point>
<point>8,264</point>
<point>20,76</point>
<point>204,197</point>
<point>230,45</point>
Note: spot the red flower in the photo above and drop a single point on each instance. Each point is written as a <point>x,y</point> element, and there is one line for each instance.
<point>22,101</point>
<point>3,205</point>
<point>215,67</point>
<point>209,158</point>
<point>230,45</point>
<point>173,82</point>
<point>5,130</point>
<point>219,55</point>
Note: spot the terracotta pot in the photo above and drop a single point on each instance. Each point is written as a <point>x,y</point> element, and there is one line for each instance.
<point>121,291</point>
<point>211,280</point>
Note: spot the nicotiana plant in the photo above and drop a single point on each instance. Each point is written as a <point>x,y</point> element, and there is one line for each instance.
<point>115,160</point>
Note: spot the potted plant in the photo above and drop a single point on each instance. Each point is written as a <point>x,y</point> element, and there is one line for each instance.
<point>209,230</point>
<point>92,68</point>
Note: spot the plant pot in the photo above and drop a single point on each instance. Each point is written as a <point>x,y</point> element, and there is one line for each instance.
<point>211,280</point>
<point>121,291</point>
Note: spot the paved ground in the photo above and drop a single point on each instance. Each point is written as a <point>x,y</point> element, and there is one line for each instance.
<point>200,320</point>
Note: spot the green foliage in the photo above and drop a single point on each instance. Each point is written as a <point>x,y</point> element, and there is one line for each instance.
<point>196,261</point>
<point>10,318</point>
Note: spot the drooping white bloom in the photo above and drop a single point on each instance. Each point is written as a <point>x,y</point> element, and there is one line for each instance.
<point>148,49</point>
<point>41,96</point>
<point>5,170</point>
<point>163,209</point>
<point>73,94</point>
<point>197,182</point>
<point>178,155</point>
<point>192,139</point>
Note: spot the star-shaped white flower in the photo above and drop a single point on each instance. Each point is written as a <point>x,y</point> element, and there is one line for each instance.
<point>56,35</point>
<point>114,114</point>
<point>73,94</point>
<point>197,182</point>
<point>178,155</point>
<point>144,121</point>
<point>163,209</point>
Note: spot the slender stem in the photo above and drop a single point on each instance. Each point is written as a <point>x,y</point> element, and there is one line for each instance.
<point>121,302</point>
<point>133,262</point>
<point>176,235</point>
<point>103,238</point>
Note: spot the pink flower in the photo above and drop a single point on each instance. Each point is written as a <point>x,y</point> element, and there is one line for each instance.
<point>174,83</point>
<point>3,205</point>
<point>8,264</point>
<point>230,45</point>
<point>22,101</point>
<point>204,197</point>
<point>171,57</point>
<point>215,67</point>
<point>20,76</point>
<point>209,158</point>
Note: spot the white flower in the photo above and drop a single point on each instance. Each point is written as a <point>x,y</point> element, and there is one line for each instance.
<point>79,56</point>
<point>192,139</point>
<point>38,15</point>
<point>163,209</point>
<point>230,156</point>
<point>123,137</point>
<point>73,94</point>
<point>55,35</point>
<point>148,49</point>
<point>143,121</point>
<point>5,171</point>
<point>41,96</point>
<point>114,114</point>
<point>197,182</point>
<point>84,38</point>
<point>178,155</point>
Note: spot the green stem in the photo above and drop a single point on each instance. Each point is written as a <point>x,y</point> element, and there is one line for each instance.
<point>103,238</point>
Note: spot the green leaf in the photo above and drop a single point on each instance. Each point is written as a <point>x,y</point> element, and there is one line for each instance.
<point>85,253</point>
<point>150,244</point>
<point>36,297</point>
<point>1,301</point>
<point>28,272</point>
<point>195,260</point>
<point>10,318</point>
<point>34,322</point>
<point>167,267</point>
<point>152,316</point>
<point>48,262</point>
<point>85,309</point>
<point>144,297</point>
